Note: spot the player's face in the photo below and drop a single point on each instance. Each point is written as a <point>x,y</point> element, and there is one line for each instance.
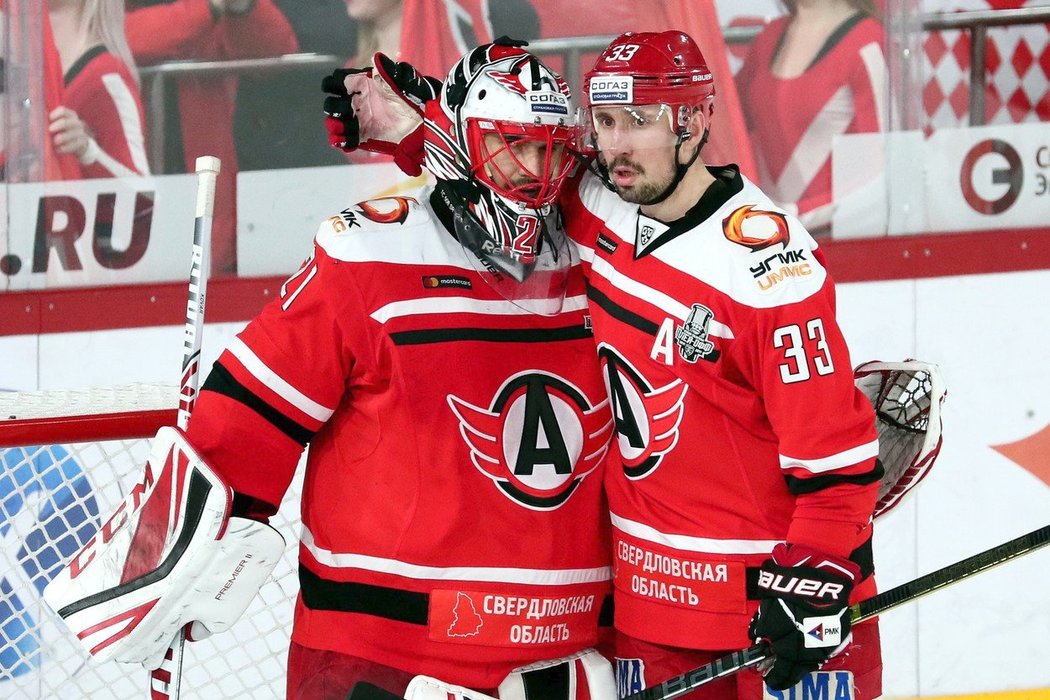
<point>521,162</point>
<point>636,144</point>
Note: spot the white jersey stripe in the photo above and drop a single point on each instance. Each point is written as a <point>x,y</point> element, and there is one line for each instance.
<point>601,267</point>
<point>837,461</point>
<point>688,543</point>
<point>269,378</point>
<point>814,148</point>
<point>130,124</point>
<point>875,63</point>
<point>532,577</point>
<point>453,305</point>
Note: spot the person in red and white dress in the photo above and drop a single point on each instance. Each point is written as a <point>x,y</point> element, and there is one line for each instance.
<point>100,120</point>
<point>813,75</point>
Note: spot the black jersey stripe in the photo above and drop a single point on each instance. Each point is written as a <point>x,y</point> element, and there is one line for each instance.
<point>342,596</point>
<point>621,314</point>
<point>491,335</point>
<point>799,486</point>
<point>221,381</point>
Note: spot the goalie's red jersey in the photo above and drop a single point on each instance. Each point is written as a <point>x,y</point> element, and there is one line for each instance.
<point>452,511</point>
<point>737,419</point>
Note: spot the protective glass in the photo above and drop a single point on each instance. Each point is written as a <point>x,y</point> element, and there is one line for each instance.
<point>634,145</point>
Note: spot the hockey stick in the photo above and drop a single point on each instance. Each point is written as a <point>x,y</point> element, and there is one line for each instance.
<point>864,610</point>
<point>166,680</point>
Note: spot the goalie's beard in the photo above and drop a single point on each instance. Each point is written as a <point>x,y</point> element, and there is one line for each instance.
<point>537,285</point>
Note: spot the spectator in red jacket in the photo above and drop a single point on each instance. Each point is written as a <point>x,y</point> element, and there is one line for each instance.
<point>209,30</point>
<point>100,119</point>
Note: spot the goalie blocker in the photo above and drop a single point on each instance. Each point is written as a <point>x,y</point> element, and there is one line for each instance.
<point>170,555</point>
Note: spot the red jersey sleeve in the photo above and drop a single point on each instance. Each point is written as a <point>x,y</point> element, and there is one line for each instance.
<point>825,426</point>
<point>168,31</point>
<point>105,97</point>
<point>186,29</point>
<point>277,384</point>
<point>264,31</point>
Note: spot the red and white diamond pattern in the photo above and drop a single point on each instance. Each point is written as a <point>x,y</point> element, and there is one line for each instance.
<point>1017,84</point>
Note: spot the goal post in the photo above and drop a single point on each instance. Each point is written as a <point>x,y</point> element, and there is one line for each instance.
<point>67,459</point>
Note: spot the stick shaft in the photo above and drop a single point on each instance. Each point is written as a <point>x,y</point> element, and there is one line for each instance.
<point>864,610</point>
<point>207,175</point>
<point>166,681</point>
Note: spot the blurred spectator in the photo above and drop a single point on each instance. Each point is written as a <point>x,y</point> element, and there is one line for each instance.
<point>378,28</point>
<point>100,119</point>
<point>810,76</point>
<point>202,122</point>
<point>276,117</point>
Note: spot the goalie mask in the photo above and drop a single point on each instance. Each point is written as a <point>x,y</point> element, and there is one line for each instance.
<point>648,90</point>
<point>497,140</point>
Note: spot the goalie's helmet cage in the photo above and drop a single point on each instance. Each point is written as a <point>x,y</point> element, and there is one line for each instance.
<point>495,100</point>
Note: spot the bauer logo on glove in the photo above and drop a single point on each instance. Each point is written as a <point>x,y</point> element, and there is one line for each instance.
<point>803,612</point>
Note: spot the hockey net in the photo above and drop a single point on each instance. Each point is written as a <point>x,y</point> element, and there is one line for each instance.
<point>67,459</point>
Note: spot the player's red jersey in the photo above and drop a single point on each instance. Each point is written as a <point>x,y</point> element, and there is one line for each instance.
<point>794,121</point>
<point>453,523</point>
<point>737,420</point>
<point>101,90</point>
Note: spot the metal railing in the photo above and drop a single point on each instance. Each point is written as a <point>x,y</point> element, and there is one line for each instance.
<point>156,78</point>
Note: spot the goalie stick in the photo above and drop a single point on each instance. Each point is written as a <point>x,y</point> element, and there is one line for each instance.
<point>166,680</point>
<point>864,610</point>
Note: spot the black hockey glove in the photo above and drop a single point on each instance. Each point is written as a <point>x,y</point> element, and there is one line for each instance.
<point>379,109</point>
<point>804,611</point>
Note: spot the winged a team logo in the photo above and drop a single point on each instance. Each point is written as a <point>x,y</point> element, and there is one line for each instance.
<point>647,417</point>
<point>538,439</point>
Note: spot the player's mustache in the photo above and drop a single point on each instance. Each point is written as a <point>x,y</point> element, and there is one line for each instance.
<point>623,161</point>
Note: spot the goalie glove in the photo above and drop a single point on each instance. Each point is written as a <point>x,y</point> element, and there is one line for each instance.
<point>168,557</point>
<point>907,398</point>
<point>379,109</point>
<point>803,613</point>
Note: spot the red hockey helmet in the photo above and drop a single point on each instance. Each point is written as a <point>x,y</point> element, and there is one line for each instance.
<point>650,68</point>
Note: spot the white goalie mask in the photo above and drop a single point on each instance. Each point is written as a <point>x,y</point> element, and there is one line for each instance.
<point>498,141</point>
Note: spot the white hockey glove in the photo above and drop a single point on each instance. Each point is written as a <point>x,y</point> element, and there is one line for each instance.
<point>420,688</point>
<point>907,398</point>
<point>584,675</point>
<point>379,109</point>
<point>169,556</point>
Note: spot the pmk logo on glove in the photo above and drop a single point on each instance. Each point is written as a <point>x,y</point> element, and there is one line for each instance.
<point>822,632</point>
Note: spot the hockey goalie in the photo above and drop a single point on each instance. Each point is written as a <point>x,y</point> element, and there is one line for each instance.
<point>169,556</point>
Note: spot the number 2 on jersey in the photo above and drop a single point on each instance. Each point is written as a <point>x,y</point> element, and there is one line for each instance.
<point>796,367</point>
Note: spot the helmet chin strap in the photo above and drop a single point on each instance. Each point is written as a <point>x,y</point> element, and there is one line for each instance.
<point>680,168</point>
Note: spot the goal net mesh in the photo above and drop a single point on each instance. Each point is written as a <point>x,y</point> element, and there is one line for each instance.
<point>61,474</point>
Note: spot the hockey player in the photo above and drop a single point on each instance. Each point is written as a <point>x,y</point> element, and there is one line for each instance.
<point>745,478</point>
<point>435,354</point>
